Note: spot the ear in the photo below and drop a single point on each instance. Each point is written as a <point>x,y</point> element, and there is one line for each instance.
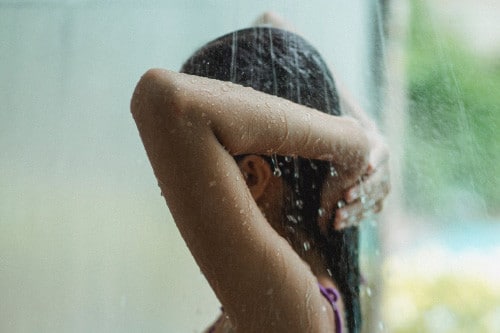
<point>257,173</point>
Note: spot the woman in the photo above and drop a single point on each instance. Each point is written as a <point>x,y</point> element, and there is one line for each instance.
<point>253,180</point>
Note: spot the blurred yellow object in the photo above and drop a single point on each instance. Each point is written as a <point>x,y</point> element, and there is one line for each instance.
<point>437,290</point>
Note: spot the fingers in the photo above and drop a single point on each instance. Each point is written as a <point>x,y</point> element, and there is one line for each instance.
<point>352,214</point>
<point>363,200</point>
<point>373,187</point>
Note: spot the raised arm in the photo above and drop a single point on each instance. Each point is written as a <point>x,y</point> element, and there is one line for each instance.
<point>246,121</point>
<point>191,127</point>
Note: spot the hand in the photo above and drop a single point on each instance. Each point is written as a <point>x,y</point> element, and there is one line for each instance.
<point>367,196</point>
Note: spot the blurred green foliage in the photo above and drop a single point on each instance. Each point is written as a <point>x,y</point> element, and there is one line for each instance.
<point>453,145</point>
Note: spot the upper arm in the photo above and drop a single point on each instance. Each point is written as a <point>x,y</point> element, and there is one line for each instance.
<point>250,267</point>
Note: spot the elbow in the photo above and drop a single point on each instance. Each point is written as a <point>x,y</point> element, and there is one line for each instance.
<point>142,95</point>
<point>155,91</point>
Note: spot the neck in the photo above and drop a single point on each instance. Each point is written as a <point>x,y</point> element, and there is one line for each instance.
<point>311,254</point>
<point>271,204</point>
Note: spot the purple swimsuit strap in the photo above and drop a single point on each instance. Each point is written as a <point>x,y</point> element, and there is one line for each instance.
<point>332,295</point>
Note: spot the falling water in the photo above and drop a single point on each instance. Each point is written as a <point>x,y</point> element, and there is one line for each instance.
<point>276,168</point>
<point>234,50</point>
<point>273,65</point>
<point>468,146</point>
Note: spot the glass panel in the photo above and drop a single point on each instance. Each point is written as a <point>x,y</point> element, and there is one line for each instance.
<point>86,242</point>
<point>442,235</point>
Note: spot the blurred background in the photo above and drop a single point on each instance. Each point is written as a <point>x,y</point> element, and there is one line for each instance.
<point>86,241</point>
<point>440,271</point>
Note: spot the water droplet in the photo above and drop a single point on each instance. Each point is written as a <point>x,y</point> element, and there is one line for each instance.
<point>277,171</point>
<point>333,172</point>
<point>299,204</point>
<point>212,183</point>
<point>369,291</point>
<point>189,124</point>
<point>288,159</point>
<point>321,211</point>
<point>225,88</point>
<point>292,219</point>
<point>306,245</point>
<point>340,203</point>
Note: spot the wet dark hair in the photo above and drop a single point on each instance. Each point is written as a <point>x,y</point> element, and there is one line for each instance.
<point>282,63</point>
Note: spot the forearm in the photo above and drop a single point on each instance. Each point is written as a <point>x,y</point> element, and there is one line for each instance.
<point>246,121</point>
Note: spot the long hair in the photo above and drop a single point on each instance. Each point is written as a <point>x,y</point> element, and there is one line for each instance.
<point>281,63</point>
